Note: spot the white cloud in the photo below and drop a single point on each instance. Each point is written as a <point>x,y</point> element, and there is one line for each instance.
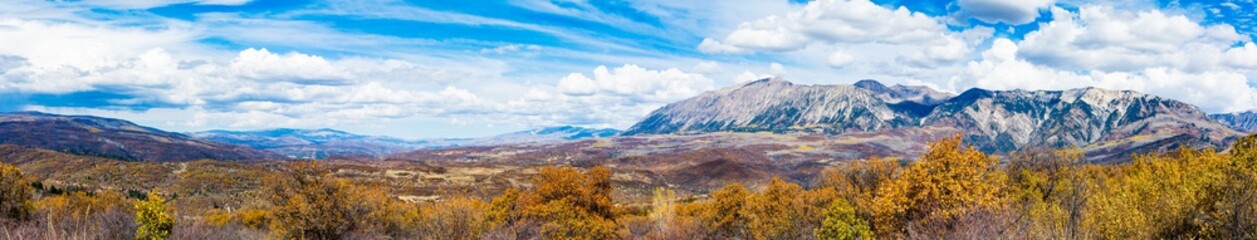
<point>577,84</point>
<point>776,69</point>
<point>706,67</point>
<point>1242,57</point>
<point>82,47</point>
<point>509,48</point>
<point>828,21</point>
<point>838,59</point>
<point>146,4</point>
<point>1101,38</point>
<point>712,46</point>
<point>637,83</point>
<point>747,76</point>
<point>1007,11</point>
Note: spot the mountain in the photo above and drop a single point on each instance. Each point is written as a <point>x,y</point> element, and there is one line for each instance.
<point>323,143</point>
<point>1105,121</point>
<point>314,143</point>
<point>1244,121</point>
<point>899,93</point>
<point>113,138</point>
<point>775,105</point>
<point>546,135</point>
<point>1002,121</point>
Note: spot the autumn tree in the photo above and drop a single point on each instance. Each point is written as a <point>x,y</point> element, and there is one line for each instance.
<point>153,217</point>
<point>1048,192</point>
<point>857,181</point>
<point>456,218</point>
<point>932,194</point>
<point>777,212</point>
<point>310,203</point>
<point>563,203</point>
<point>663,209</point>
<point>724,214</point>
<point>842,223</point>
<point>15,194</point>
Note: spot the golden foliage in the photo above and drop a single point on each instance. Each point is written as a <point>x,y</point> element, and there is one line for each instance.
<point>841,222</point>
<point>15,194</point>
<point>947,182</point>
<point>153,217</point>
<point>310,203</point>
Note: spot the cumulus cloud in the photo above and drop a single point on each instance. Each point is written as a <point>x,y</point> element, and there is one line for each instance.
<point>609,97</point>
<point>834,21</point>
<point>1007,11</point>
<point>1105,39</point>
<point>1242,57</point>
<point>897,42</point>
<point>149,69</point>
<point>636,83</point>
<point>838,59</point>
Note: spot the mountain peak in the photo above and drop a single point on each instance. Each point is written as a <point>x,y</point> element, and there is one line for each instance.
<point>769,81</point>
<point>869,84</point>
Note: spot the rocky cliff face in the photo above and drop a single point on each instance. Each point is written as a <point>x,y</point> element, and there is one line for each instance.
<point>1243,121</point>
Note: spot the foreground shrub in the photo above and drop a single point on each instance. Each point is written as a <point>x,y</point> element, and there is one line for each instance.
<point>153,217</point>
<point>15,194</point>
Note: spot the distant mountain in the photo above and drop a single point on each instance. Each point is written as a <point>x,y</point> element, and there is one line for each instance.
<point>314,143</point>
<point>547,135</point>
<point>113,138</point>
<point>1244,121</point>
<point>995,121</point>
<point>322,143</point>
<point>1001,121</point>
<point>779,106</point>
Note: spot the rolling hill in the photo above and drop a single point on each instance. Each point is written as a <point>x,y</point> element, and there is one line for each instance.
<point>114,138</point>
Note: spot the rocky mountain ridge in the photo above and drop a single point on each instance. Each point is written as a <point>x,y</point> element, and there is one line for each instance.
<point>994,120</point>
<point>1245,121</point>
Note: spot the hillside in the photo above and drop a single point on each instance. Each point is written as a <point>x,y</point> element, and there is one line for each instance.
<point>113,138</point>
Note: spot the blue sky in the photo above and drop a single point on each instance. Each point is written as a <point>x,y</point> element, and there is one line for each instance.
<point>420,69</point>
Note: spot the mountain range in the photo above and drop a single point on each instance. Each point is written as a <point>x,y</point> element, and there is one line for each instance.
<point>897,120</point>
<point>994,121</point>
<point>1244,121</point>
<point>114,138</point>
<point>323,143</point>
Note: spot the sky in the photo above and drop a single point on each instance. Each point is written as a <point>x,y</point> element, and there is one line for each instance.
<point>428,69</point>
